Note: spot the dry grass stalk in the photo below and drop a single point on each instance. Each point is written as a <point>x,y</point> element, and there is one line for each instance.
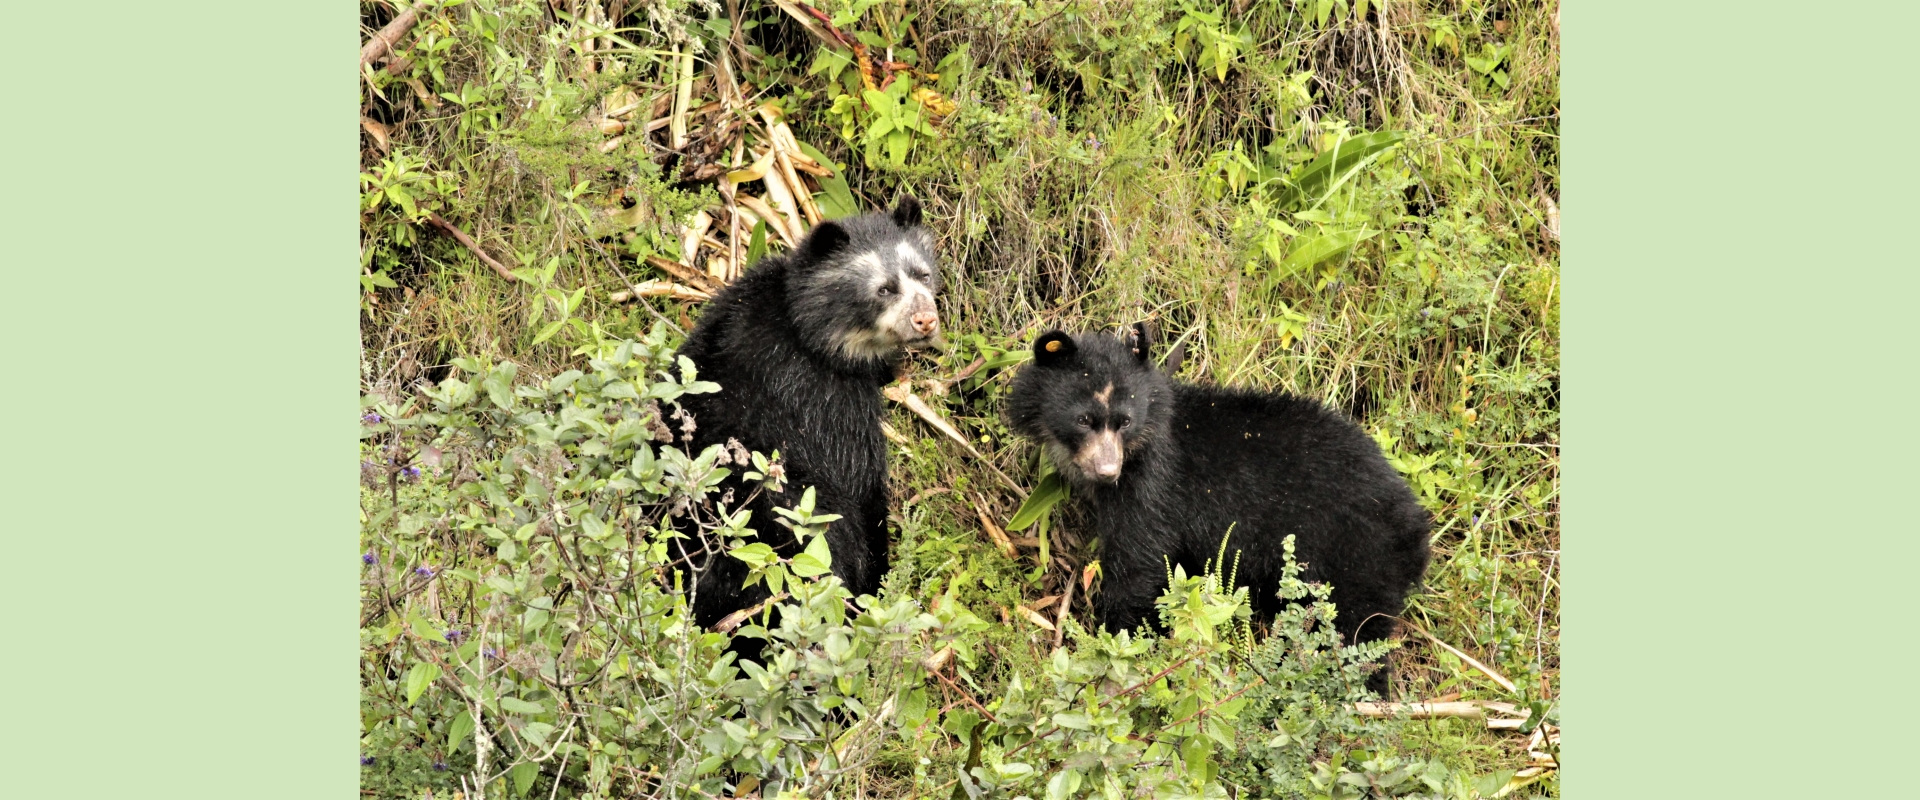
<point>776,221</point>
<point>661,289</point>
<point>1470,660</point>
<point>899,393</point>
<point>994,532</point>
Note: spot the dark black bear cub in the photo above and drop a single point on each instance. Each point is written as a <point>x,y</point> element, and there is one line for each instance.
<point>1166,467</point>
<point>801,345</point>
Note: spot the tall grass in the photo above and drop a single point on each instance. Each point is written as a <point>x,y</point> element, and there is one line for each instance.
<point>1103,162</point>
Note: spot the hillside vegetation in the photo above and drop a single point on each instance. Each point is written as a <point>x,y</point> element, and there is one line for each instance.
<point>1350,200</point>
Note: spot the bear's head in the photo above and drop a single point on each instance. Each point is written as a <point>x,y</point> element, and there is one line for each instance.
<point>863,288</point>
<point>1093,401</point>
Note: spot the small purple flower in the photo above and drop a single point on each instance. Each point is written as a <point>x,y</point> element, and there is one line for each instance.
<point>366,761</point>
<point>1093,143</point>
<point>488,652</point>
<point>1475,520</point>
<point>367,558</point>
<point>410,473</point>
<point>454,635</point>
<point>372,418</point>
<point>439,766</point>
<point>424,571</point>
<point>1426,312</point>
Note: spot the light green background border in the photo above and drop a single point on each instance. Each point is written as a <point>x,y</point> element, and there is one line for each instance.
<point>179,481</point>
<point>1738,399</point>
<point>180,403</point>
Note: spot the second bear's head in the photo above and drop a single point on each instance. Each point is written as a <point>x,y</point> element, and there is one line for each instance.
<point>864,287</point>
<point>1093,401</point>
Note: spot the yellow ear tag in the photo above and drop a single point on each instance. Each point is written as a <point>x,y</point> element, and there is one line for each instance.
<point>1053,346</point>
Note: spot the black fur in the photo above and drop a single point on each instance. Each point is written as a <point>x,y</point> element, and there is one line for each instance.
<point>772,341</point>
<point>1200,459</point>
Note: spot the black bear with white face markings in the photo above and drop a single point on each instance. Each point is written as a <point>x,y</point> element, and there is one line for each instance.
<point>1167,468</point>
<point>801,345</point>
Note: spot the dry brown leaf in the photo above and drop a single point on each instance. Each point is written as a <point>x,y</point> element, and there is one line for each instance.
<point>774,220</point>
<point>690,237</point>
<point>780,195</point>
<point>378,131</point>
<point>1035,618</point>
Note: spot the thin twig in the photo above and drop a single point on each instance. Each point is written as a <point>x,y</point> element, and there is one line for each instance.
<point>462,237</point>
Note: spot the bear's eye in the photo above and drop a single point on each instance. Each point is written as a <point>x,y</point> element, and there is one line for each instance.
<point>885,292</point>
<point>1125,421</point>
<point>920,275</point>
<point>1084,421</point>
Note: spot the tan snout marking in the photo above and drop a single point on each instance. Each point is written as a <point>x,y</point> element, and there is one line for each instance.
<point>1104,395</point>
<point>1101,456</point>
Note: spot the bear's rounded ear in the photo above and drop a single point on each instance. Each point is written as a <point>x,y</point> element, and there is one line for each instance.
<point>1053,348</point>
<point>907,213</point>
<point>825,239</point>
<point>1138,340</point>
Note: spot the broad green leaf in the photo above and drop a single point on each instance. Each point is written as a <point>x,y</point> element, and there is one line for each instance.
<point>1310,251</point>
<point>545,334</point>
<point>459,730</point>
<point>519,706</point>
<point>756,554</point>
<point>523,775</point>
<point>1050,492</point>
<point>536,733</point>
<point>816,561</point>
<point>1311,180</point>
<point>419,678</point>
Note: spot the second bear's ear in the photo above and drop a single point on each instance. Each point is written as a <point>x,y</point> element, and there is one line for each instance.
<point>1138,340</point>
<point>825,239</point>
<point>1053,348</point>
<point>907,213</point>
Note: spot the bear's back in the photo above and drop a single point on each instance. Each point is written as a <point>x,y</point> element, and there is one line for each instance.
<point>1271,464</point>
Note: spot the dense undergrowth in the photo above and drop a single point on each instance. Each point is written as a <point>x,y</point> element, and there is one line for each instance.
<point>1348,200</point>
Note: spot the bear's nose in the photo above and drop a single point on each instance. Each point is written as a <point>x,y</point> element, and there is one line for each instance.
<point>926,322</point>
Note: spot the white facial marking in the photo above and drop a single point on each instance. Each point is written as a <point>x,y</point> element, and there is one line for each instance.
<point>909,254</point>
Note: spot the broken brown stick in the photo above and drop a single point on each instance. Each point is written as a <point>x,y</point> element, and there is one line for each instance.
<point>899,393</point>
<point>462,237</point>
<point>383,41</point>
<point>1459,709</point>
<point>660,289</point>
<point>733,620</point>
<point>998,536</point>
<point>700,280</point>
